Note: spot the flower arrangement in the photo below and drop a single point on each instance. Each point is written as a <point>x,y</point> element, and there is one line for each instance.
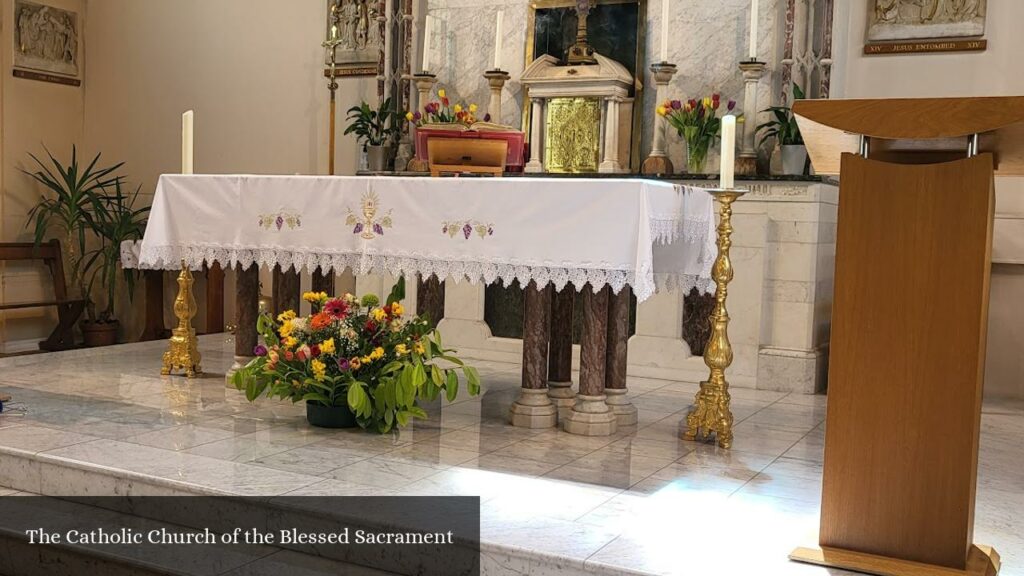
<point>698,123</point>
<point>443,112</point>
<point>356,354</point>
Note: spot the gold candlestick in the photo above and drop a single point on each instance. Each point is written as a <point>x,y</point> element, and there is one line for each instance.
<point>331,45</point>
<point>183,352</point>
<point>711,412</point>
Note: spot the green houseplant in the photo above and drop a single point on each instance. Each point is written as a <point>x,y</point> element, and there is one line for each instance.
<point>115,219</point>
<point>784,130</point>
<point>354,362</point>
<point>375,130</point>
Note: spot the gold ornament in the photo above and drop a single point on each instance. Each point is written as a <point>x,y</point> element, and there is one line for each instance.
<point>183,352</point>
<point>711,413</point>
<point>574,135</point>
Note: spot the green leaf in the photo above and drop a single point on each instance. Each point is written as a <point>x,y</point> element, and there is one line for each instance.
<point>472,380</point>
<point>452,390</point>
<point>403,418</point>
<point>314,397</point>
<point>419,375</point>
<point>357,399</point>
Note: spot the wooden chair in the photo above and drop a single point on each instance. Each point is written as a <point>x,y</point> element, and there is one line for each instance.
<point>466,156</point>
<point>68,310</point>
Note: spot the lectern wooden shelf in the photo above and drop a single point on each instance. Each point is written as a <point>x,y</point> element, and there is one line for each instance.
<point>909,319</point>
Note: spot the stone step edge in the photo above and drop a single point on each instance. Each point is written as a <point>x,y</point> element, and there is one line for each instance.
<point>139,484</point>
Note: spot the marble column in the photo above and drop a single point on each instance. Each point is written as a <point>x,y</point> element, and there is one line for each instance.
<point>287,290</point>
<point>617,358</point>
<point>534,409</point>
<point>247,304</point>
<point>746,162</point>
<point>591,416</point>
<point>560,350</point>
<point>610,165</point>
<point>424,86</point>
<point>496,79</point>
<point>536,163</point>
<point>658,162</point>
<point>323,282</point>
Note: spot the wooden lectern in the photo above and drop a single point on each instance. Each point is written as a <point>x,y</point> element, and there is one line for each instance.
<point>909,321</point>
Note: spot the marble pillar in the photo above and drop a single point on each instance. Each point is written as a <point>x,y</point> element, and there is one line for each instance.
<point>247,304</point>
<point>424,86</point>
<point>534,409</point>
<point>591,416</point>
<point>611,165</point>
<point>658,162</point>
<point>746,162</point>
<point>496,79</point>
<point>560,351</point>
<point>287,290</point>
<point>616,358</point>
<point>536,163</point>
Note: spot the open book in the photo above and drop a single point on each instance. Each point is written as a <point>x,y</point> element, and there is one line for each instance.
<point>475,127</point>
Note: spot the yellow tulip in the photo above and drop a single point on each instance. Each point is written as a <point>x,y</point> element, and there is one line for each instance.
<point>441,93</point>
<point>662,111</point>
<point>472,108</point>
<point>458,108</point>
<point>409,116</point>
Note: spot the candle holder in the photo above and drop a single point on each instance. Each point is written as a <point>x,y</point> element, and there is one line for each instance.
<point>658,162</point>
<point>711,413</point>
<point>746,163</point>
<point>496,79</point>
<point>424,85</point>
<point>183,349</point>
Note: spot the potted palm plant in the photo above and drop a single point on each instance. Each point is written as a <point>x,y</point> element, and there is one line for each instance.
<point>67,207</point>
<point>375,130</point>
<point>784,129</point>
<point>115,219</point>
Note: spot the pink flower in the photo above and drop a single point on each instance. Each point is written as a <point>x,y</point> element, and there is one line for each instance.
<point>336,308</point>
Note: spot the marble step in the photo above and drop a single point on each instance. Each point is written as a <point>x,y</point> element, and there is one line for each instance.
<point>41,473</point>
<point>18,556</point>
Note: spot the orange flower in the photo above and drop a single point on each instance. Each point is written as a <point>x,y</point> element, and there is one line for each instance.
<point>320,320</point>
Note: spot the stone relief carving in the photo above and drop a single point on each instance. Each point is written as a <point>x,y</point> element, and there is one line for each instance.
<point>46,38</point>
<point>359,32</point>
<point>915,19</point>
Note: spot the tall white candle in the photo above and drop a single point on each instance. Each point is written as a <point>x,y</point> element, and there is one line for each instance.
<point>753,29</point>
<point>426,44</point>
<point>664,30</point>
<point>497,39</point>
<point>728,151</point>
<point>187,142</point>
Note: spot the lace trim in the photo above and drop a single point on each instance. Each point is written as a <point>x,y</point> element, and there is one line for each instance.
<point>669,229</point>
<point>641,281</point>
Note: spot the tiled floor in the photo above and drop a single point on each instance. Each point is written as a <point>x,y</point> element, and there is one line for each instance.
<point>640,500</point>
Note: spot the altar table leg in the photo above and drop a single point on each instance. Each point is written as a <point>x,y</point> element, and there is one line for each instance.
<point>591,416</point>
<point>534,409</point>
<point>154,328</point>
<point>615,365</point>
<point>287,290</point>
<point>324,282</point>
<point>247,305</point>
<point>214,299</point>
<point>430,299</point>
<point>560,354</point>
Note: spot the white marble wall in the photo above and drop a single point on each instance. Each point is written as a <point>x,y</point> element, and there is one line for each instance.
<point>708,40</point>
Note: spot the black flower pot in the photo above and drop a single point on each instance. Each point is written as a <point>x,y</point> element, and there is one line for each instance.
<point>330,416</point>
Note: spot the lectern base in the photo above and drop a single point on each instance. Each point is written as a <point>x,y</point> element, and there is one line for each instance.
<point>981,561</point>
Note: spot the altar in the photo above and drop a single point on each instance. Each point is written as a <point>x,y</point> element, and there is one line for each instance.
<point>653,234</point>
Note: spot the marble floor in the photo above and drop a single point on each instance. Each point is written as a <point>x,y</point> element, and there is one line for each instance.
<point>639,502</point>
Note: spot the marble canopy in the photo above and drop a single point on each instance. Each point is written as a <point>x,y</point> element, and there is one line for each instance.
<point>581,115</point>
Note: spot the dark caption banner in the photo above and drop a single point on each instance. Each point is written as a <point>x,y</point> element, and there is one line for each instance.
<point>240,536</point>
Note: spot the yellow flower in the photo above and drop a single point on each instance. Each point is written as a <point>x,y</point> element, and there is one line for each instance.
<point>707,102</point>
<point>286,316</point>
<point>458,108</point>
<point>319,370</point>
<point>401,349</point>
<point>419,348</point>
<point>290,342</point>
<point>327,346</point>
<point>473,108</point>
<point>366,359</point>
<point>355,363</point>
<point>377,353</point>
<point>378,314</point>
<point>662,111</point>
<point>409,116</point>
<point>441,93</point>
<point>397,309</point>
<point>315,297</point>
<point>286,329</point>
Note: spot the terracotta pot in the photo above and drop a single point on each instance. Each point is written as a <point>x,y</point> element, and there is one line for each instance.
<point>100,333</point>
<point>330,416</point>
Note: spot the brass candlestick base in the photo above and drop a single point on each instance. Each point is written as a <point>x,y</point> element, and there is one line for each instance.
<point>711,413</point>
<point>183,352</point>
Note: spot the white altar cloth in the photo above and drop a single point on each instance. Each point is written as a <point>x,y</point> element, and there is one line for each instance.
<point>602,231</point>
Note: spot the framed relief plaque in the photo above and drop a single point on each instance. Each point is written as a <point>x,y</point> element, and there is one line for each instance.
<point>47,43</point>
<point>915,26</point>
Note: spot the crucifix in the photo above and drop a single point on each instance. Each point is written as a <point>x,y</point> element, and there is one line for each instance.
<point>331,45</point>
<point>581,52</point>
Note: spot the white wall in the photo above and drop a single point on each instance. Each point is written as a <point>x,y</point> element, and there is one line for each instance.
<point>993,72</point>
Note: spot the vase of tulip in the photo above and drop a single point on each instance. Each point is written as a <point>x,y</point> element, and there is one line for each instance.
<point>696,122</point>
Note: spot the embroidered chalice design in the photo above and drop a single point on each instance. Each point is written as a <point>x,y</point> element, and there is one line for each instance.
<point>368,225</point>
